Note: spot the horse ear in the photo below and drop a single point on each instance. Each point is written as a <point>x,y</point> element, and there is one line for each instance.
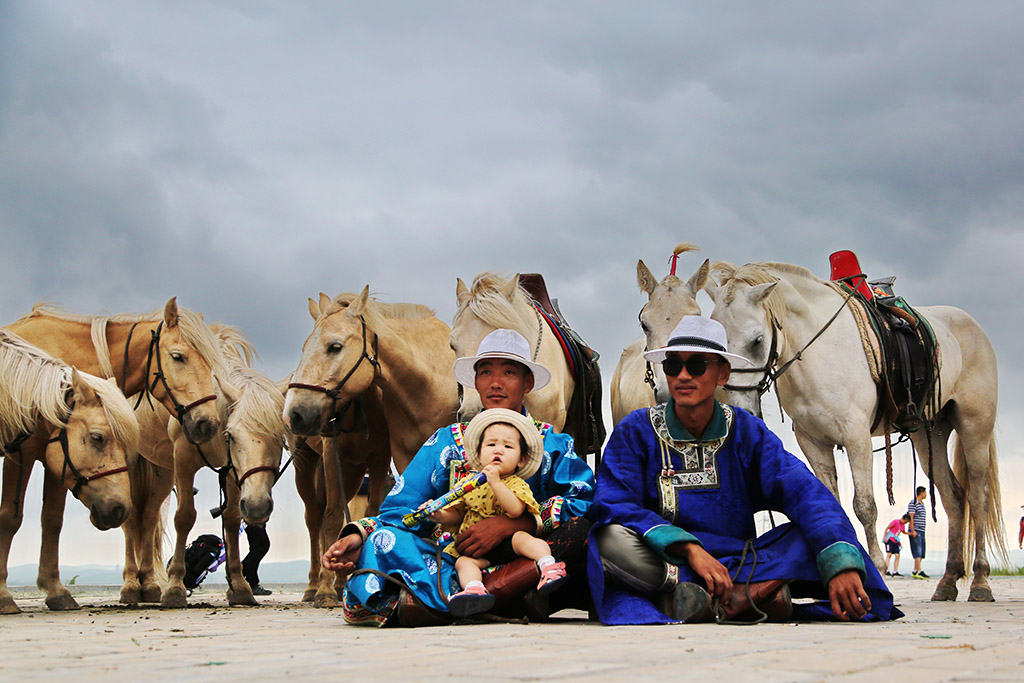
<point>325,303</point>
<point>314,309</point>
<point>509,290</point>
<point>171,312</point>
<point>282,386</point>
<point>759,293</point>
<point>645,278</point>
<point>700,278</point>
<point>461,291</point>
<point>81,390</point>
<point>711,287</point>
<point>230,391</point>
<point>359,305</point>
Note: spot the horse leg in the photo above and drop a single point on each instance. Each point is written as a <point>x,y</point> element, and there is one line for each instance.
<point>58,597</point>
<point>326,593</point>
<point>150,535</point>
<point>975,453</point>
<point>379,467</point>
<point>239,591</point>
<point>131,586</point>
<point>822,459</point>
<point>861,459</point>
<point>931,448</point>
<point>10,521</point>
<point>184,519</point>
<point>305,467</point>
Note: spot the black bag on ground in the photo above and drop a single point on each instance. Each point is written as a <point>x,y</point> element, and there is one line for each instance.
<point>199,555</point>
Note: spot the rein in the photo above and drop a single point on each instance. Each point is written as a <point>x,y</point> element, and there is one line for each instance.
<point>334,422</point>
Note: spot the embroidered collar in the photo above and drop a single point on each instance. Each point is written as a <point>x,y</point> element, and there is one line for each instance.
<point>716,429</point>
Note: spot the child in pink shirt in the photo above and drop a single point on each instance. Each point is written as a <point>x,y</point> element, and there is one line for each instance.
<point>892,543</point>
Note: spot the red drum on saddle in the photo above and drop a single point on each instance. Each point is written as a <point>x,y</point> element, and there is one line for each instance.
<point>846,267</point>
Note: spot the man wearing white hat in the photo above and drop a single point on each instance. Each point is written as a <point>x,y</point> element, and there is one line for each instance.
<point>502,373</point>
<point>674,537</point>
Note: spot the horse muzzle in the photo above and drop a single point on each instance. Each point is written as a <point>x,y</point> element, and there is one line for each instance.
<point>200,429</point>
<point>304,419</point>
<point>256,509</point>
<point>105,515</point>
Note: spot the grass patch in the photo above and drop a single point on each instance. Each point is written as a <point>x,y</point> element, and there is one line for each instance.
<point>1003,571</point>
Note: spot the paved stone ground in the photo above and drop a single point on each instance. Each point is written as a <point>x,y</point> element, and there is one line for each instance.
<point>285,638</point>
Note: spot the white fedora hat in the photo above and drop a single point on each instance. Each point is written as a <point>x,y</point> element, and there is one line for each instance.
<point>505,344</point>
<point>698,335</point>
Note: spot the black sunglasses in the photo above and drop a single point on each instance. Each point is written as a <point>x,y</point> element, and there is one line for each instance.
<point>695,365</point>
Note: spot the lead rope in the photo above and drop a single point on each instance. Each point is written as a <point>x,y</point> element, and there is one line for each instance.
<point>717,608</point>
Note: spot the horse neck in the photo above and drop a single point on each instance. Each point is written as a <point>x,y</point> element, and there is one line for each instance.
<point>134,380</point>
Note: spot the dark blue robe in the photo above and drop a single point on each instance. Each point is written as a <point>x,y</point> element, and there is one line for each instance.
<point>668,489</point>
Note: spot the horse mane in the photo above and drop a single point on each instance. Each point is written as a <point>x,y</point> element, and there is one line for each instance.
<point>729,277</point>
<point>260,406</point>
<point>488,303</point>
<point>34,384</point>
<point>378,314</point>
<point>118,411</point>
<point>193,329</point>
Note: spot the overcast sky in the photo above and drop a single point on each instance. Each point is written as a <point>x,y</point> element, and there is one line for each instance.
<point>244,155</point>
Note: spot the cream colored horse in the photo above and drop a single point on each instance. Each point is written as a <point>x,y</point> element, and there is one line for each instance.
<point>667,302</point>
<point>251,453</point>
<point>493,302</point>
<point>364,353</point>
<point>41,396</point>
<point>830,395</point>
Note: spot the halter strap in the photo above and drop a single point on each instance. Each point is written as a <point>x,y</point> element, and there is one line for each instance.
<point>80,479</point>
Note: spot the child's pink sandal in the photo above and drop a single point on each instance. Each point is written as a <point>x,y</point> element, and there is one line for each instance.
<point>475,600</point>
<point>551,577</point>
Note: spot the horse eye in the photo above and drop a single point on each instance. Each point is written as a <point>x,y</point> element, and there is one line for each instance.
<point>334,347</point>
<point>96,438</point>
<point>178,356</point>
<point>757,342</point>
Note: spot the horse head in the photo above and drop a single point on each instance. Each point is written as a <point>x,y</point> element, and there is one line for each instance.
<point>667,302</point>
<point>333,369</point>
<point>187,358</point>
<point>101,430</point>
<point>744,304</point>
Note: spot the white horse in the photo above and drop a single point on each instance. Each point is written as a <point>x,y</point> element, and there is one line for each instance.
<point>832,400</point>
<point>637,383</point>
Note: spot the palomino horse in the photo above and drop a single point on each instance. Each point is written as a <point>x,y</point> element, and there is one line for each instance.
<point>363,353</point>
<point>171,355</point>
<point>493,302</point>
<point>773,310</point>
<point>95,427</point>
<point>248,459</point>
<point>637,383</point>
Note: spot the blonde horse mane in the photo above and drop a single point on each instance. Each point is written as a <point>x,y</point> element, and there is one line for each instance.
<point>488,302</point>
<point>729,278</point>
<point>194,331</point>
<point>34,384</point>
<point>379,315</point>
<point>260,405</point>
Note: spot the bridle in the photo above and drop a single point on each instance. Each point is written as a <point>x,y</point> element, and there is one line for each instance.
<point>334,421</point>
<point>79,478</point>
<point>159,376</point>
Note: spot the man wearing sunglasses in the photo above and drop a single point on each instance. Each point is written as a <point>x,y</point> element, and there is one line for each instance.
<point>674,538</point>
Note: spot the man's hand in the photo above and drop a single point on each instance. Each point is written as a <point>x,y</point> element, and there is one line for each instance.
<point>480,539</point>
<point>847,595</point>
<point>342,555</point>
<point>714,573</point>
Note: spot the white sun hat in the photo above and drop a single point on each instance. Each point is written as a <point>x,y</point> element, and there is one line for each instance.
<point>505,344</point>
<point>529,461</point>
<point>697,334</point>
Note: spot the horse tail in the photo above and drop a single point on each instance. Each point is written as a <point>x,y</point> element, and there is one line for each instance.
<point>993,530</point>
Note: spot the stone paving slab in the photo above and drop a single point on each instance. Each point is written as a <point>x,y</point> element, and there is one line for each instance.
<point>285,638</point>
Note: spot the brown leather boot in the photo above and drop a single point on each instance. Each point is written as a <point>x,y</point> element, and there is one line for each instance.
<point>512,581</point>
<point>771,597</point>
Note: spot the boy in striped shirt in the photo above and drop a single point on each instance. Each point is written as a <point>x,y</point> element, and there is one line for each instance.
<point>918,517</point>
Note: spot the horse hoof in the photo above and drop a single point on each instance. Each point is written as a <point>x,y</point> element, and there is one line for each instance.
<point>241,598</point>
<point>174,598</point>
<point>981,594</point>
<point>151,594</point>
<point>945,592</point>
<point>62,603</point>
<point>326,600</point>
<point>308,595</point>
<point>8,606</point>
<point>130,596</point>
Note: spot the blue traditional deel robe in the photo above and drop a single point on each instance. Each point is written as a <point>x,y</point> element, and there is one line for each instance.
<point>564,485</point>
<point>666,486</point>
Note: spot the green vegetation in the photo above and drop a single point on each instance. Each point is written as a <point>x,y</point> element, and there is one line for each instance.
<point>1003,571</point>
